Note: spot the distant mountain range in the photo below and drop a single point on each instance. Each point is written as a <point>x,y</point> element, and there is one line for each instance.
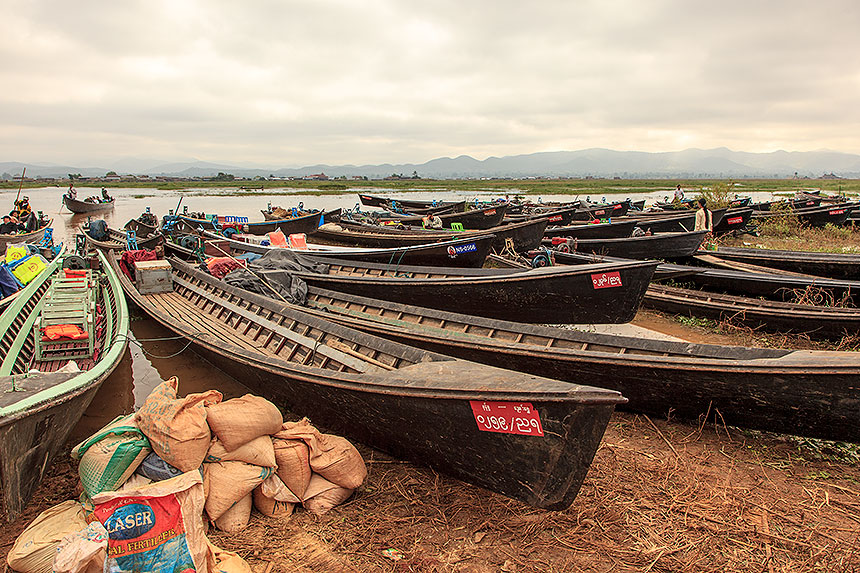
<point>688,164</point>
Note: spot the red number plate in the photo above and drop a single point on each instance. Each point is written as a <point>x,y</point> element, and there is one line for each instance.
<point>616,207</point>
<point>507,418</point>
<point>836,212</point>
<point>735,220</point>
<point>601,212</point>
<point>555,218</point>
<point>490,212</point>
<point>606,280</point>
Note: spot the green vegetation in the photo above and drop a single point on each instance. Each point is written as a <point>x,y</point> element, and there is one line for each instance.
<point>596,188</point>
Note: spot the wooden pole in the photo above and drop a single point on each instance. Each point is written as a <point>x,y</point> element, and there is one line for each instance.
<point>21,184</point>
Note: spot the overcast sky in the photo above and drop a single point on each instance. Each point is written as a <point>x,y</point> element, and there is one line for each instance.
<point>284,83</point>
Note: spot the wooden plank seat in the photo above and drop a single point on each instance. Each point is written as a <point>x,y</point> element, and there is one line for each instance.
<point>69,301</point>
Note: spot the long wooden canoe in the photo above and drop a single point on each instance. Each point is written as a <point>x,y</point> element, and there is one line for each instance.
<point>117,240</point>
<point>475,219</point>
<point>600,293</point>
<point>609,230</point>
<point>77,206</point>
<point>525,235</point>
<point>774,316</point>
<point>831,265</point>
<point>657,246</point>
<point>467,252</point>
<point>31,237</point>
<point>796,392</point>
<point>524,436</point>
<point>37,417</point>
<point>301,224</point>
<point>834,214</point>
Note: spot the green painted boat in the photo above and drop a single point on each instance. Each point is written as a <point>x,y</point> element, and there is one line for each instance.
<point>46,385</point>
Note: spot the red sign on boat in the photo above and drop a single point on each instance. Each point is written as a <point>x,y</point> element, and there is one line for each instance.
<point>735,220</point>
<point>616,207</point>
<point>606,280</point>
<point>836,212</point>
<point>555,218</point>
<point>601,212</point>
<point>507,417</point>
<point>490,212</point>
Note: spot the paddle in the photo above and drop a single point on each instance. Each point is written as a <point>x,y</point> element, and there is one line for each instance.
<point>21,184</point>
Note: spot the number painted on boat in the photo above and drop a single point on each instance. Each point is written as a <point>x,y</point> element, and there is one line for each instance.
<point>601,212</point>
<point>490,212</point>
<point>555,218</point>
<point>735,220</point>
<point>836,212</point>
<point>507,417</point>
<point>455,250</point>
<point>616,207</point>
<point>606,280</point>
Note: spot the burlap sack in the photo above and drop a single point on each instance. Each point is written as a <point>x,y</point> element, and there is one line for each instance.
<point>257,452</point>
<point>226,561</point>
<point>229,482</point>
<point>176,427</point>
<point>274,499</point>
<point>294,468</point>
<point>240,420</point>
<point>236,518</point>
<point>322,495</point>
<point>34,550</point>
<point>333,457</point>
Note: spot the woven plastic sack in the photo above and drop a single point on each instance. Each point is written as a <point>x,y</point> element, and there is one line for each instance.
<point>156,527</point>
<point>82,552</point>
<point>111,455</point>
<point>176,427</point>
<point>240,420</point>
<point>258,452</point>
<point>156,469</point>
<point>34,550</point>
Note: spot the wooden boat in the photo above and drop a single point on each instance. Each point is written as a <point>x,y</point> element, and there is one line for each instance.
<point>831,265</point>
<point>118,240</point>
<point>835,214</point>
<point>459,252</point>
<point>733,220</point>
<point>809,393</point>
<point>37,417</point>
<point>609,230</point>
<point>414,404</point>
<point>396,209</point>
<point>301,224</point>
<point>31,237</point>
<point>330,216</point>
<point>672,222</point>
<point>657,246</point>
<point>554,217</point>
<point>794,204</point>
<point>476,219</point>
<point>588,213</point>
<point>814,321</point>
<point>597,293</point>
<point>378,201</point>
<point>525,235</point>
<point>77,206</point>
<point>774,285</point>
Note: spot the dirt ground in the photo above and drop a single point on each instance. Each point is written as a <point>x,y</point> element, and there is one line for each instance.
<point>660,496</point>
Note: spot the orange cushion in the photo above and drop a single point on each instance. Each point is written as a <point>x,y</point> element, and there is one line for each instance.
<point>58,331</point>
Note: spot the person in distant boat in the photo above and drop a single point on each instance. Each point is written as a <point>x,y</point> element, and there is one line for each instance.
<point>704,218</point>
<point>71,192</point>
<point>679,194</point>
<point>432,222</point>
<point>9,226</point>
<point>105,195</point>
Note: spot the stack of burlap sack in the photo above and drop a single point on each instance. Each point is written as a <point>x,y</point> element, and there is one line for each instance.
<point>154,479</point>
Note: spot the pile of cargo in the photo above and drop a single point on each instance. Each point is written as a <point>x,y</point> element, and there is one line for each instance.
<point>154,480</point>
